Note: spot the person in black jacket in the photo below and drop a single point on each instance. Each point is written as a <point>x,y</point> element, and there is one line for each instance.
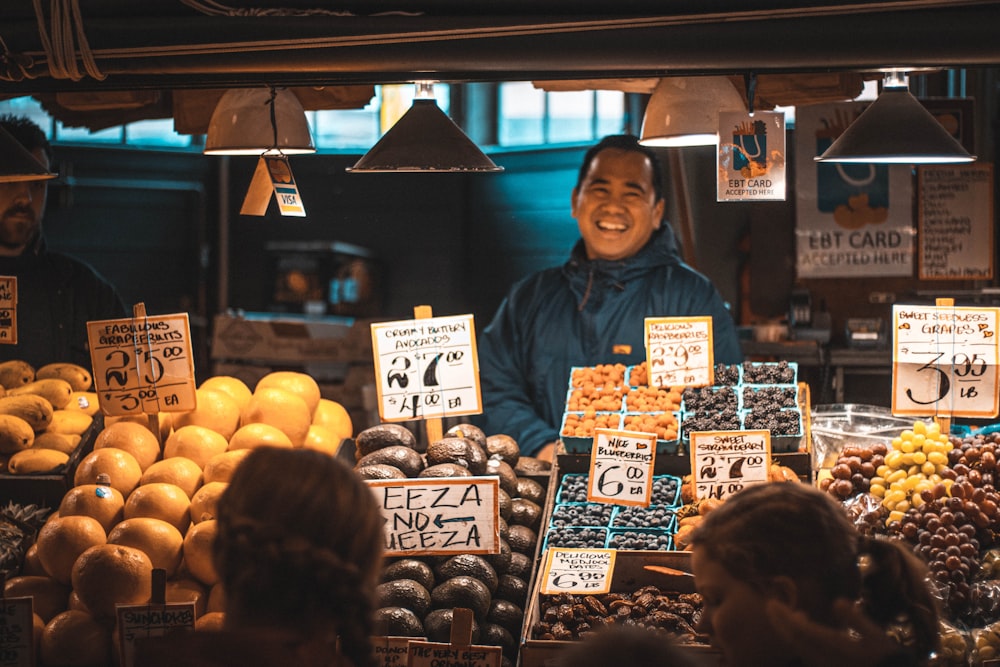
<point>591,310</point>
<point>56,294</point>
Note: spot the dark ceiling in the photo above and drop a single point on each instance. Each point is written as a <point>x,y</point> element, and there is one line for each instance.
<point>164,46</point>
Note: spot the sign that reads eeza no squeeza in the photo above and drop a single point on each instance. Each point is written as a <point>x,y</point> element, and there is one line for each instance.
<point>439,516</point>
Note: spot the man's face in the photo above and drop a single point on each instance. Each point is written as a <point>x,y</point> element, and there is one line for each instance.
<point>22,206</point>
<point>615,205</point>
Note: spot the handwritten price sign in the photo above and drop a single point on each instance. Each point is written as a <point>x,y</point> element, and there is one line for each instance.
<point>583,571</point>
<point>724,462</point>
<point>8,310</point>
<point>17,647</point>
<point>621,467</point>
<point>679,351</point>
<point>944,361</point>
<point>439,516</point>
<point>426,368</point>
<point>143,364</point>
<point>137,622</point>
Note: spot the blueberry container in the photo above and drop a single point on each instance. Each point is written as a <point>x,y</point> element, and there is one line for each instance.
<point>573,489</point>
<point>660,517</point>
<point>581,514</point>
<point>575,537</point>
<point>645,539</point>
<point>666,491</point>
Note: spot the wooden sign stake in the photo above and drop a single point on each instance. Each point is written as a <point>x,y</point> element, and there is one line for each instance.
<point>461,626</point>
<point>944,421</point>
<point>432,425</point>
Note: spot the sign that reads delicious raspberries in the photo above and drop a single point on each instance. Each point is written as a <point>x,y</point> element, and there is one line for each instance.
<point>426,368</point>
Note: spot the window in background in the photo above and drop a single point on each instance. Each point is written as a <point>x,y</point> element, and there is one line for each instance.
<point>158,133</point>
<point>529,116</point>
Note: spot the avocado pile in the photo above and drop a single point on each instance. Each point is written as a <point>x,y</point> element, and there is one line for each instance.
<point>417,596</point>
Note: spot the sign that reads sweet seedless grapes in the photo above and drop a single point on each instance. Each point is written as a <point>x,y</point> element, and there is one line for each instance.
<point>944,361</point>
<point>581,571</point>
<point>724,462</point>
<point>432,516</point>
<point>679,351</point>
<point>426,368</point>
<point>621,467</point>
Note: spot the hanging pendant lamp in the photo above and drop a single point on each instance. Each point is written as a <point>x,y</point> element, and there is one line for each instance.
<point>424,139</point>
<point>684,111</point>
<point>253,121</point>
<point>896,129</point>
<point>17,163</point>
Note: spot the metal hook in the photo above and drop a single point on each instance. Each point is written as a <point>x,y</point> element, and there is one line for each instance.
<point>750,81</point>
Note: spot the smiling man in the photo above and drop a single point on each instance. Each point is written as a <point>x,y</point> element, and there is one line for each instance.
<point>590,311</point>
<point>56,294</point>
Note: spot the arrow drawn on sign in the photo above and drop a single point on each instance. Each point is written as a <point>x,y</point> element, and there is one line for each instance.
<point>439,522</point>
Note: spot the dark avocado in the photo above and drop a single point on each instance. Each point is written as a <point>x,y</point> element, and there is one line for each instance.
<point>405,593</point>
<point>437,625</point>
<point>398,456</point>
<point>458,450</point>
<point>500,561</point>
<point>523,512</point>
<point>383,435</point>
<point>506,614</point>
<point>529,465</point>
<point>520,565</point>
<point>463,591</point>
<point>470,565</point>
<point>513,589</point>
<point>530,489</point>
<point>505,446</point>
<point>379,471</point>
<point>410,568</point>
<point>522,539</point>
<point>445,470</point>
<point>397,622</point>
<point>503,527</point>
<point>497,635</point>
<point>470,431</point>
<point>508,480</point>
<point>504,499</point>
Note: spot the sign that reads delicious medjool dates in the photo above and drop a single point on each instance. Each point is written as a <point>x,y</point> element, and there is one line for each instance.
<point>426,368</point>
<point>425,517</point>
<point>583,571</point>
<point>679,351</point>
<point>724,462</point>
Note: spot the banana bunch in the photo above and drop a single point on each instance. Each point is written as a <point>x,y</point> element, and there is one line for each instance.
<point>43,414</point>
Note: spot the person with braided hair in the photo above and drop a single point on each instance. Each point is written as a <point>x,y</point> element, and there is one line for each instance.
<point>788,581</point>
<point>298,551</point>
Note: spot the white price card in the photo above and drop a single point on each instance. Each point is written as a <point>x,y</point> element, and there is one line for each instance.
<point>433,654</point>
<point>679,351</point>
<point>390,651</point>
<point>724,462</point>
<point>621,467</point>
<point>17,646</point>
<point>944,361</point>
<point>141,621</point>
<point>432,516</point>
<point>8,310</point>
<point>583,571</point>
<point>426,368</point>
<point>143,364</point>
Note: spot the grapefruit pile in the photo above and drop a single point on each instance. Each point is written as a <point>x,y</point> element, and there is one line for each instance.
<point>137,505</point>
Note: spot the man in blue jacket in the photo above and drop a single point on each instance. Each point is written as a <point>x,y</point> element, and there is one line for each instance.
<point>590,310</point>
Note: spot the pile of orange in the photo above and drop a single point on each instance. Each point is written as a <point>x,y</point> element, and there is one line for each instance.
<point>137,505</point>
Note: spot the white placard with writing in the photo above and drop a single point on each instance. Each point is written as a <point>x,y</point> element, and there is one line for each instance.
<point>143,364</point>
<point>425,517</point>
<point>944,361</point>
<point>391,651</point>
<point>426,368</point>
<point>751,157</point>
<point>621,467</point>
<point>8,310</point>
<point>583,571</point>
<point>432,654</point>
<point>17,645</point>
<point>724,462</point>
<point>141,621</point>
<point>955,222</point>
<point>679,351</point>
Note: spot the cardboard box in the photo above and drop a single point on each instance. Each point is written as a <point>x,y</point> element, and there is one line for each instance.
<point>268,338</point>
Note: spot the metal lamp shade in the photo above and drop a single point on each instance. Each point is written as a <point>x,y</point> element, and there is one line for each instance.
<point>424,139</point>
<point>896,129</point>
<point>242,124</point>
<point>17,163</point>
<point>684,111</point>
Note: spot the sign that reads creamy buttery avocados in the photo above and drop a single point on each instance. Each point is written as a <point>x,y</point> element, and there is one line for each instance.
<point>724,462</point>
<point>426,517</point>
<point>582,571</point>
<point>945,361</point>
<point>426,368</point>
<point>679,351</point>
<point>621,467</point>
<point>143,364</point>
<point>8,310</point>
<point>17,647</point>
